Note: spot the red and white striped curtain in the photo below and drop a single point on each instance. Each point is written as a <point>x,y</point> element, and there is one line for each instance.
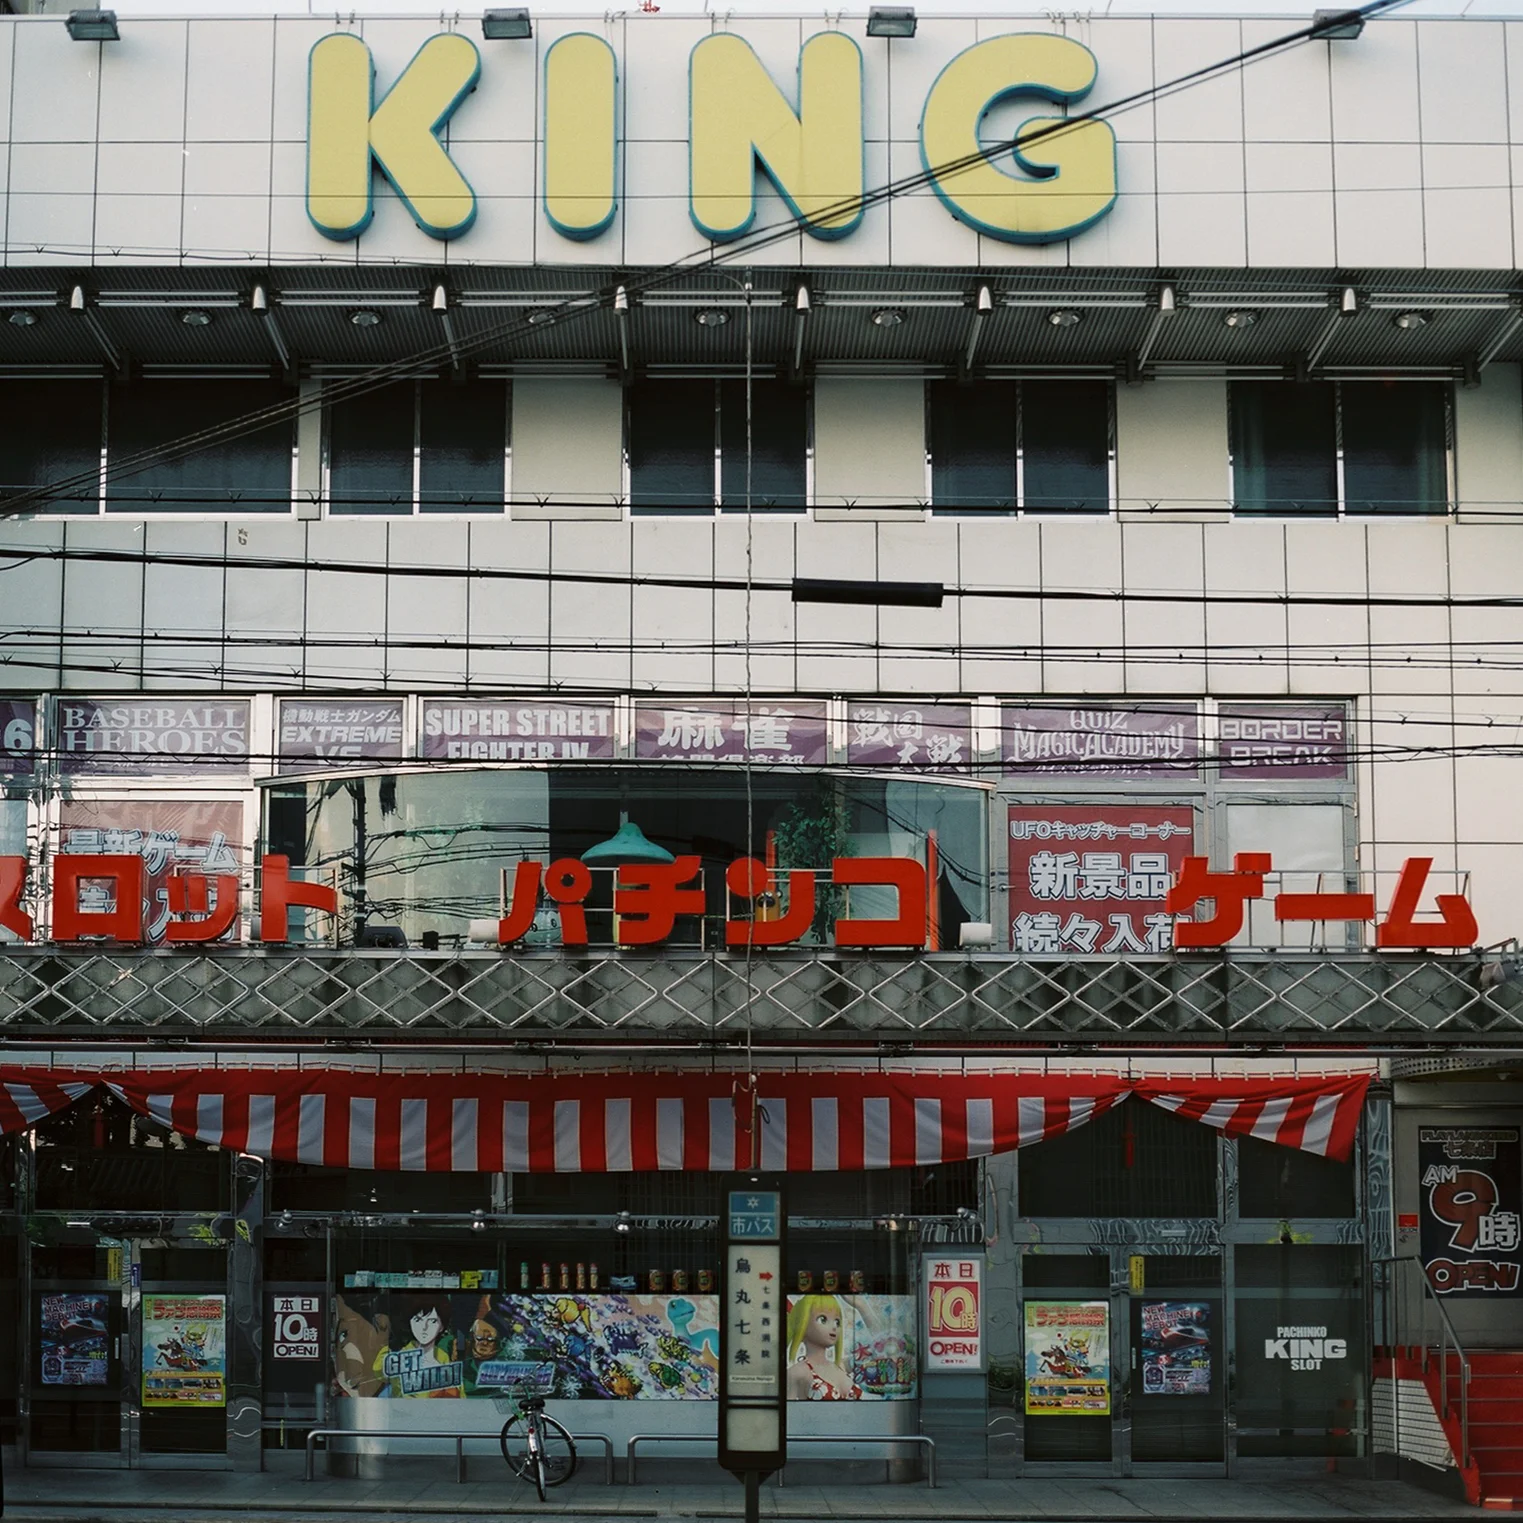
<point>622,1122</point>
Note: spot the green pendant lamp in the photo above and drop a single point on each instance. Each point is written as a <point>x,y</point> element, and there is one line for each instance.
<point>627,844</point>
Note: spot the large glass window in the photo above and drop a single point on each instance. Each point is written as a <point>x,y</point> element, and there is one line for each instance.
<point>1013,446</point>
<point>689,442</point>
<point>1322,448</point>
<point>419,446</point>
<point>50,437</point>
<point>241,469</point>
<point>426,853</point>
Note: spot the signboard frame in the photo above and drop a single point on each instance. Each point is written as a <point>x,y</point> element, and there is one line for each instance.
<point>965,1274</point>
<point>763,1229</point>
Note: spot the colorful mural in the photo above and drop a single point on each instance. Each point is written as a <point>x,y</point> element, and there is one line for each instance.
<point>851,1347</point>
<point>573,1347</point>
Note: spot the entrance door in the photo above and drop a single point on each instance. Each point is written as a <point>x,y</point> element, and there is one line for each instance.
<point>1177,1367</point>
<point>178,1323</point>
<point>73,1334</point>
<point>1125,1370</point>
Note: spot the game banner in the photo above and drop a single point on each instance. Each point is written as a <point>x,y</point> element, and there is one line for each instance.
<point>184,1351</point>
<point>851,1347</point>
<point>74,1338</point>
<point>1176,1348</point>
<point>1470,1201</point>
<point>401,1345</point>
<point>1068,1360</point>
<point>411,1344</point>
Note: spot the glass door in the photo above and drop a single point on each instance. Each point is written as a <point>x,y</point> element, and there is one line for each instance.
<point>73,1335</point>
<point>178,1321</point>
<point>1177,1370</point>
<point>1069,1319</point>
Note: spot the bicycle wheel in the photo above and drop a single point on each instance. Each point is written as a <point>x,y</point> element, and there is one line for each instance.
<point>557,1452</point>
<point>515,1446</point>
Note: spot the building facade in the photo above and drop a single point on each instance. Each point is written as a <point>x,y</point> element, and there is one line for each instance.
<point>933,615</point>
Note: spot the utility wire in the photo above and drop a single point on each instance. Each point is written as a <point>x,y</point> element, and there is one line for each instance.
<point>741,249</point>
<point>18,556</point>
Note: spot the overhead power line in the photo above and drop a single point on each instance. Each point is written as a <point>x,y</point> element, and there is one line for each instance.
<point>22,555</point>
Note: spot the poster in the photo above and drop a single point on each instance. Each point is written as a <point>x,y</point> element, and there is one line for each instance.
<point>1284,741</point>
<point>1068,1360</point>
<point>600,1346</point>
<point>314,734</point>
<point>1470,1197</point>
<point>73,1337</point>
<point>184,1351</point>
<point>788,731</point>
<point>195,836</point>
<point>459,729</point>
<point>952,1287</point>
<point>142,737</point>
<point>1104,742</point>
<point>296,1327</point>
<point>1176,1348</point>
<point>847,1347</point>
<point>930,737</point>
<point>18,737</point>
<point>1091,878</point>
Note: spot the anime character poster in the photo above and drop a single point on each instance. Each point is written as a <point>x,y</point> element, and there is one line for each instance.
<point>73,1335</point>
<point>470,1344</point>
<point>851,1347</point>
<point>1068,1361</point>
<point>184,1351</point>
<point>1176,1348</point>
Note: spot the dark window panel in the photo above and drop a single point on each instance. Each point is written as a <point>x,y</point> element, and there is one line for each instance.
<point>370,444</point>
<point>779,435</point>
<point>1135,1160</point>
<point>973,446</point>
<point>1065,446</point>
<point>1280,1182</point>
<point>464,431</point>
<point>1394,447</point>
<point>244,473</point>
<point>50,433</point>
<point>1284,441</point>
<point>671,446</point>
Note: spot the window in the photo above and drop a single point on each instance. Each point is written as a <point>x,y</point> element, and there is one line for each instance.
<point>1020,446</point>
<point>1285,447</point>
<point>425,446</point>
<point>688,446</point>
<point>242,472</point>
<point>50,435</point>
<point>1322,448</point>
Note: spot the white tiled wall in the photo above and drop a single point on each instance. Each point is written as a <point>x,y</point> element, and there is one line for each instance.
<point>1393,150</point>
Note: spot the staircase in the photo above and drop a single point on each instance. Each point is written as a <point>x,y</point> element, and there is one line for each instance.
<point>1494,1478</point>
<point>1492,1471</point>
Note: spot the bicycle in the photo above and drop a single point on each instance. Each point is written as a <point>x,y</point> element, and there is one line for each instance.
<point>535,1446</point>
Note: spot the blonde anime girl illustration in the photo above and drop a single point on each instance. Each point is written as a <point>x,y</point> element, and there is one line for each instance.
<point>815,1368</point>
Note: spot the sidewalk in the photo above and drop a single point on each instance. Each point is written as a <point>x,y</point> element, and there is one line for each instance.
<point>426,1487</point>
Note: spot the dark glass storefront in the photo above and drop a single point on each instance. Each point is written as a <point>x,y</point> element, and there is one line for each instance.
<point>1159,1298</point>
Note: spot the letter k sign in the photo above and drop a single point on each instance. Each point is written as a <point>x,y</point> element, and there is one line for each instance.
<point>345,128</point>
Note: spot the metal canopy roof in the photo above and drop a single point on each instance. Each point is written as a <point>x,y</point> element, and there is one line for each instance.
<point>928,321</point>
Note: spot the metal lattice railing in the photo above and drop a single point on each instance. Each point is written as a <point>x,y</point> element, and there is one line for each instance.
<point>1289,998</point>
